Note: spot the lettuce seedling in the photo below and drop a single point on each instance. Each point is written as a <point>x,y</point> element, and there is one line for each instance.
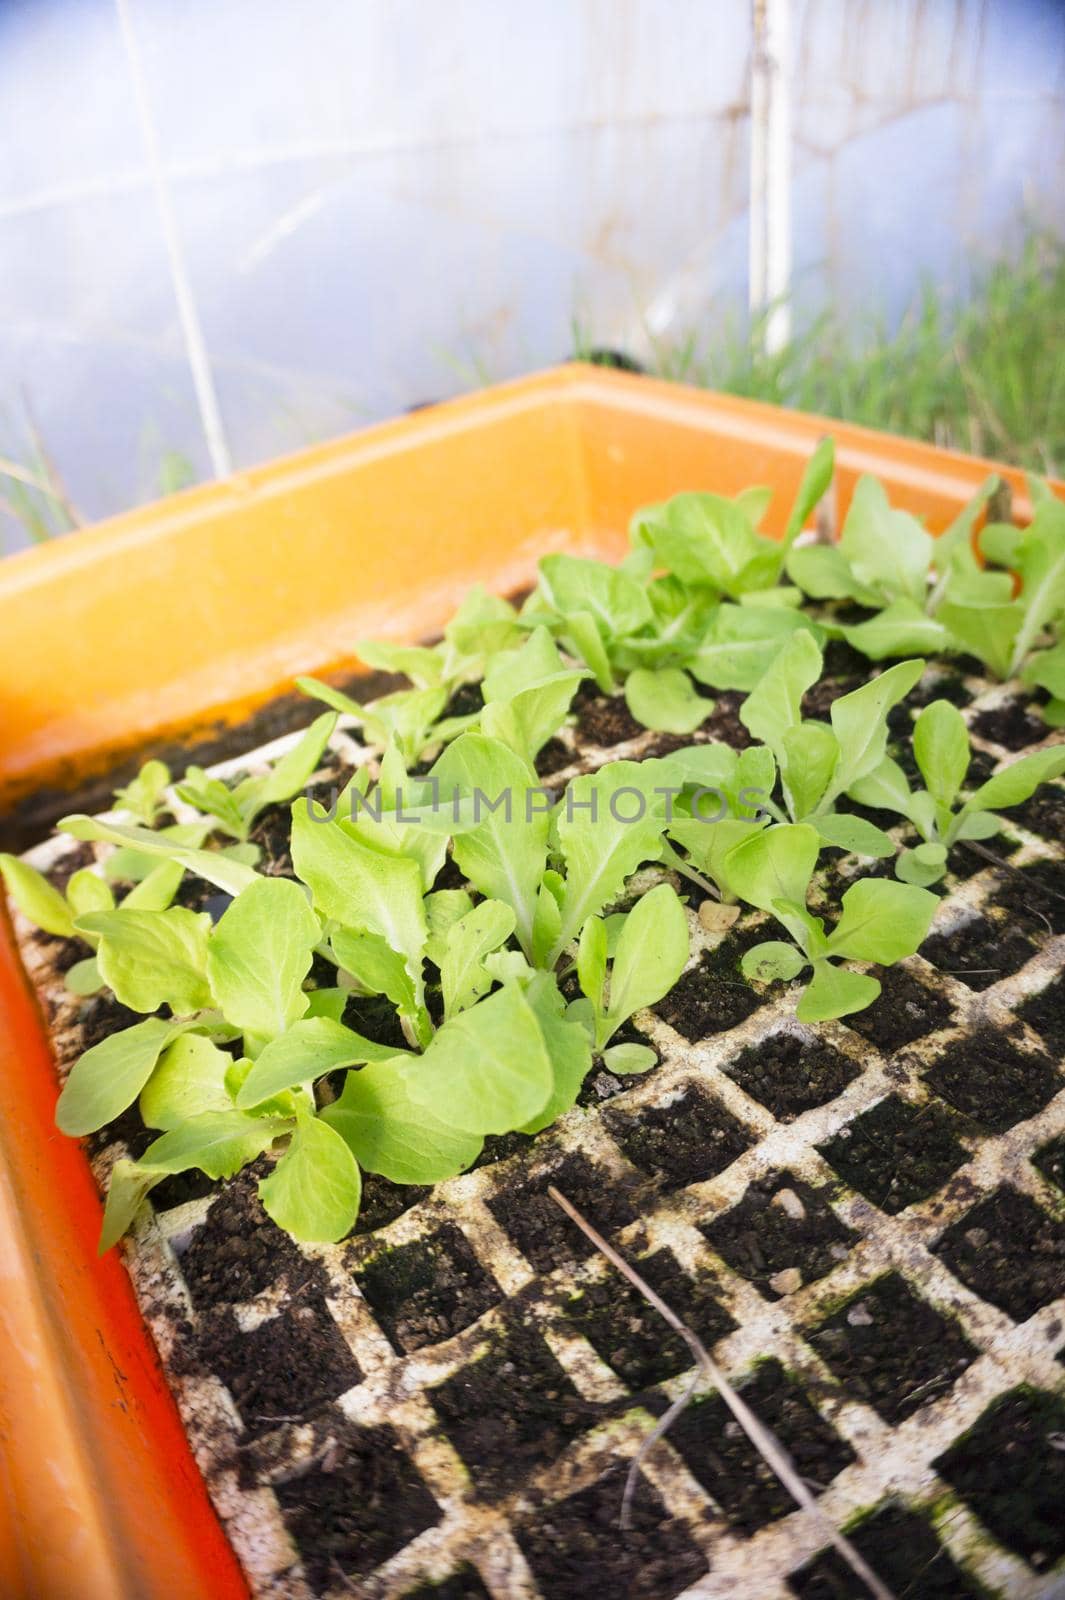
<point>650,951</point>
<point>879,921</point>
<point>527,694</point>
<point>144,797</point>
<point>884,560</point>
<point>236,808</point>
<point>818,763</point>
<point>942,751</point>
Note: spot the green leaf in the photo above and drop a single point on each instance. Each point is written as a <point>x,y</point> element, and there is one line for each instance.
<point>881,921</point>
<point>1041,563</point>
<point>1046,670</point>
<point>941,750</point>
<point>422,664</point>
<point>776,704</point>
<point>809,755</point>
<point>505,854</point>
<point>378,968</point>
<point>927,864</point>
<point>129,1187</point>
<point>190,1078</point>
<point>359,887</point>
<point>1016,782</point>
<point>391,1134</point>
<point>527,694</point>
<point>110,1075</point>
<point>987,631</point>
<point>83,978</point>
<point>814,486</point>
<point>293,772</point>
<point>773,865</point>
<point>215,799</point>
<point>859,721</point>
<point>887,550</point>
<point>153,958</point>
<point>835,992</point>
<point>651,954</point>
<point>145,795</point>
<point>591,960</point>
<point>741,643</point>
<point>665,700</point>
<point>259,954</point>
<point>221,870</point>
<point>885,788</point>
<point>463,975</point>
<point>88,892</point>
<point>315,1189</point>
<point>582,633</point>
<point>704,538</point>
<point>568,1046</point>
<point>823,572</point>
<point>977,825</point>
<point>156,889</point>
<point>854,834</point>
<point>487,1070</point>
<point>900,629</point>
<point>624,1059</point>
<point>311,1048</point>
<point>772,960</point>
<point>611,822</point>
<point>35,897</point>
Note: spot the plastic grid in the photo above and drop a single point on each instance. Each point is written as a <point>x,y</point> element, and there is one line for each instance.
<point>459,1522</point>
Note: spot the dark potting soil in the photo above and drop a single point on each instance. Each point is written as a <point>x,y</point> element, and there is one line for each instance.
<point>1043,814</point>
<point>511,1410</point>
<point>904,1011</point>
<point>897,1153</point>
<point>239,1252</point>
<point>1013,724</point>
<point>1033,897</point>
<point>541,1230</point>
<point>790,1073</point>
<point>715,996</point>
<point>818,701</point>
<point>985,1076</point>
<point>362,1503</point>
<point>286,1368</point>
<point>630,1335</point>
<point>891,1349</point>
<point>720,1456</point>
<point>604,720</point>
<point>686,1140</point>
<point>902,1549</point>
<point>462,1584</point>
<point>555,755</point>
<point>383,1201</point>
<point>1010,1251</point>
<point>424,1292</point>
<point>600,1084</point>
<point>978,952</point>
<point>939,686</point>
<point>577,1550</point>
<point>1045,1012</point>
<point>765,1234</point>
<point>1010,1468</point>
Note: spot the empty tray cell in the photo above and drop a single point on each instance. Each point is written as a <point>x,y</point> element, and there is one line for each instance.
<point>1010,1469</point>
<point>720,1456</point>
<point>239,1252</point>
<point>462,1584</point>
<point>1045,1012</point>
<point>1015,724</point>
<point>901,1549</point>
<point>1009,1251</point>
<point>631,1336</point>
<point>891,1349</point>
<point>988,1078</point>
<point>1050,1161</point>
<point>1033,897</point>
<point>428,1290</point>
<point>714,995</point>
<point>687,1140</point>
<point>897,1153</point>
<point>781,1227</point>
<point>979,952</point>
<point>284,1369</point>
<point>905,1010</point>
<point>541,1230</point>
<point>362,1503</point>
<point>790,1074</point>
<point>577,1548</point>
<point>510,1411</point>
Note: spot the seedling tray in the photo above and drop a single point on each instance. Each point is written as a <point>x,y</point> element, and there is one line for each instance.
<point>480,1379</point>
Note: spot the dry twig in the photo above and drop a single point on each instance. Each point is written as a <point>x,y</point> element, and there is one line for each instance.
<point>766,1443</point>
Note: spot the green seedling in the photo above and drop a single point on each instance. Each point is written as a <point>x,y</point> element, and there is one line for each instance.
<point>878,921</point>
<point>644,955</point>
<point>942,751</point>
<point>235,808</point>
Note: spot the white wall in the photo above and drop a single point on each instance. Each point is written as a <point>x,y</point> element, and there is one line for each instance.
<point>384,201</point>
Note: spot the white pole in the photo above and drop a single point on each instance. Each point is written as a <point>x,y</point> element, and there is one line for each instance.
<point>191,329</point>
<point>769,259</point>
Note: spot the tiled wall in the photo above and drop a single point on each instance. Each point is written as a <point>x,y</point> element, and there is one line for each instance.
<point>384,201</point>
